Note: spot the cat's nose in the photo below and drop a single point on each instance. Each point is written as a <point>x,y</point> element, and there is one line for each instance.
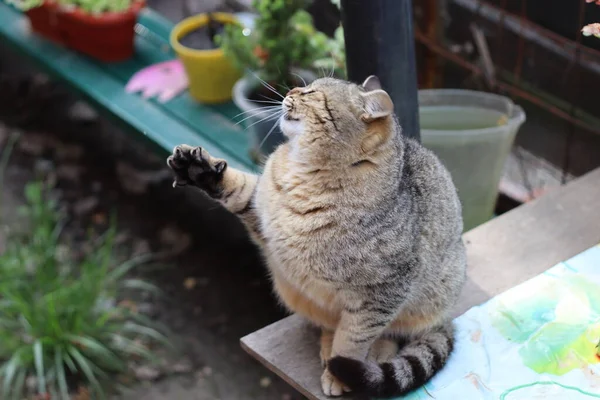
<point>293,91</point>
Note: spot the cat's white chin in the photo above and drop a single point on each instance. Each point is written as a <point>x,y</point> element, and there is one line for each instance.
<point>291,128</point>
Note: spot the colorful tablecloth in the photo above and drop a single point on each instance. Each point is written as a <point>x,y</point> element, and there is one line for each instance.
<point>538,340</point>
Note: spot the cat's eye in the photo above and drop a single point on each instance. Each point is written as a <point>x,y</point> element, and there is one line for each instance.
<point>307,92</point>
<point>361,162</point>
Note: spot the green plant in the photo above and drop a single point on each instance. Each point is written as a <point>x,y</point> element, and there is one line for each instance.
<point>335,55</point>
<point>335,49</point>
<point>60,321</point>
<point>4,158</point>
<point>283,38</point>
<point>89,6</point>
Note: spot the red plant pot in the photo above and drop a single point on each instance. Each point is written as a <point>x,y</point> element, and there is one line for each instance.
<point>106,37</point>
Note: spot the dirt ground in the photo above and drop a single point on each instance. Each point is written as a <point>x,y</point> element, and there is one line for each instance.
<point>216,289</point>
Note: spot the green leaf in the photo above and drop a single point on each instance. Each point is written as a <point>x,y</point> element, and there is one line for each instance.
<point>130,347</point>
<point>59,364</point>
<point>8,371</point>
<point>127,266</point>
<point>86,367</point>
<point>137,284</point>
<point>38,356</point>
<point>33,193</point>
<point>69,362</point>
<point>99,350</point>
<point>145,331</point>
<point>19,384</point>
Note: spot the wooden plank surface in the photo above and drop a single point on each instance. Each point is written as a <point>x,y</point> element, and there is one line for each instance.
<point>502,253</point>
<point>182,120</point>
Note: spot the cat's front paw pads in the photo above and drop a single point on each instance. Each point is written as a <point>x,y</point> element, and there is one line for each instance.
<point>194,166</point>
<point>332,386</point>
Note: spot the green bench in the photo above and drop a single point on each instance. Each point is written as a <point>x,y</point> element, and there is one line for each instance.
<point>180,120</point>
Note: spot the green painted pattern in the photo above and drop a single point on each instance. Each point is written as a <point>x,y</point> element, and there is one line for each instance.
<point>557,331</point>
<point>179,121</point>
<point>506,395</point>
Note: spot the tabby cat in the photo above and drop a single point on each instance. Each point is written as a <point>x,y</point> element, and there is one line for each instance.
<point>361,231</point>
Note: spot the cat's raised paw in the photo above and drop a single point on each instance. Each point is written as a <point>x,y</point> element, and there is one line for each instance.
<point>332,386</point>
<point>194,166</point>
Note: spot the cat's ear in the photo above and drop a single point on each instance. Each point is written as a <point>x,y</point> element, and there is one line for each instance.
<point>378,104</point>
<point>371,83</point>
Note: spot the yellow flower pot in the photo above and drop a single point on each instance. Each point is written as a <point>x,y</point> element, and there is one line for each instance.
<point>211,75</point>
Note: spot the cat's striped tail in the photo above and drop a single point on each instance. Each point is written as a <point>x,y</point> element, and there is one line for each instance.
<point>415,364</point>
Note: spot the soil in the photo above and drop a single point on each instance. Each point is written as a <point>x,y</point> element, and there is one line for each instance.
<point>215,285</point>
<point>203,38</point>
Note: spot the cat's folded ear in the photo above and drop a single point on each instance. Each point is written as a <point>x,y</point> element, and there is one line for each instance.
<point>378,104</point>
<point>371,83</point>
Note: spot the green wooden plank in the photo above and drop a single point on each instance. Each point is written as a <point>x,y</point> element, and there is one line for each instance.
<point>215,122</point>
<point>84,75</point>
<point>215,126</point>
<point>214,130</point>
<point>156,23</point>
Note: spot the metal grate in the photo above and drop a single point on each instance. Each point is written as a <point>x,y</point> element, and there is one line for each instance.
<point>531,51</point>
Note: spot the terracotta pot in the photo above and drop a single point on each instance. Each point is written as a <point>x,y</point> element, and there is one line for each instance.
<point>106,37</point>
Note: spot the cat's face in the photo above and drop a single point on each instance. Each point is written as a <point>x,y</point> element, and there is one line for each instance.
<point>337,121</point>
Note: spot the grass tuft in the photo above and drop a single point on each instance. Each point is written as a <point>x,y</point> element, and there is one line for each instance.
<point>61,324</point>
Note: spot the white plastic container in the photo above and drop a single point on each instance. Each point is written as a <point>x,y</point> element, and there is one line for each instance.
<point>472,133</point>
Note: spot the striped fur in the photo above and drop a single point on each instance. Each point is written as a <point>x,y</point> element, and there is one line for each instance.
<point>360,229</point>
<point>416,364</point>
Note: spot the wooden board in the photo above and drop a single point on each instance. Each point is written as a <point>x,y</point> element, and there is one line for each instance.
<point>181,120</point>
<point>502,253</point>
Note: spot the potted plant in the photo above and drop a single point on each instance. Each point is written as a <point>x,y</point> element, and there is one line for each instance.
<point>211,75</point>
<point>277,54</point>
<point>103,29</point>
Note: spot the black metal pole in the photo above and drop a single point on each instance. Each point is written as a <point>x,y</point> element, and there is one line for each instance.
<point>380,41</point>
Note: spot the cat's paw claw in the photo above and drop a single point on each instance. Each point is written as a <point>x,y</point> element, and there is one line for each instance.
<point>332,386</point>
<point>194,166</point>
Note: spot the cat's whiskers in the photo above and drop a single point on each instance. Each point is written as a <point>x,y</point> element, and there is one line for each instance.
<point>268,117</point>
<point>266,85</point>
<point>332,74</point>
<point>266,101</point>
<point>270,99</point>
<point>322,71</point>
<point>301,78</point>
<point>257,121</point>
<point>259,111</point>
<point>268,134</point>
<point>285,87</point>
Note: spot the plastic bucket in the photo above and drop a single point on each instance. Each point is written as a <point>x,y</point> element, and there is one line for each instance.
<point>472,133</point>
<point>211,75</point>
